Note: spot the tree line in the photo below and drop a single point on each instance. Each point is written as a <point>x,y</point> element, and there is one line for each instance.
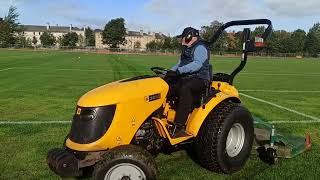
<point>280,41</point>
<point>114,32</point>
<point>11,34</point>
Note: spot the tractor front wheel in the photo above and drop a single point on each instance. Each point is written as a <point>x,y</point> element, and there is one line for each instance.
<point>127,162</point>
<point>224,141</point>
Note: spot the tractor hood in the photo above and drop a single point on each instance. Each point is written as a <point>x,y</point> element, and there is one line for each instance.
<point>132,89</point>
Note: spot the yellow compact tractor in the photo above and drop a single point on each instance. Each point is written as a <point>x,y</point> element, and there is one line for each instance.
<point>119,128</point>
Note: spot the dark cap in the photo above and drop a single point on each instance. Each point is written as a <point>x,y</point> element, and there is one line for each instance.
<point>187,31</point>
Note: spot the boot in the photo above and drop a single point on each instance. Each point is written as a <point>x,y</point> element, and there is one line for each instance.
<point>177,130</point>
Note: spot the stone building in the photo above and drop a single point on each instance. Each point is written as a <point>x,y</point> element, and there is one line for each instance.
<point>30,31</point>
<point>133,38</point>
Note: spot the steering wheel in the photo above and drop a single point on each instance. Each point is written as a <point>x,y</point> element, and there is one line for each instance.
<point>159,70</point>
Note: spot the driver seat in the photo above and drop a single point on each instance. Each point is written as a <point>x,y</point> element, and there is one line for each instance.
<point>206,94</point>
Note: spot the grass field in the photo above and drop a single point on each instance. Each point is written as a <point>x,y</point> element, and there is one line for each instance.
<point>45,86</point>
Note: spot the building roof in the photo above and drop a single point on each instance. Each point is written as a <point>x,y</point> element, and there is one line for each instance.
<point>160,36</point>
<point>97,30</point>
<point>139,34</point>
<point>62,29</point>
<point>133,33</point>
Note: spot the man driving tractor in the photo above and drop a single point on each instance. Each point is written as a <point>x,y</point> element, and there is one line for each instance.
<point>193,70</point>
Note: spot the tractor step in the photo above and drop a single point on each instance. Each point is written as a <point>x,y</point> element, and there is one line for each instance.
<point>161,125</point>
<point>180,134</point>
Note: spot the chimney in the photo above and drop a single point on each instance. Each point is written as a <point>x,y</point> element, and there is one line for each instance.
<point>70,27</point>
<point>48,26</point>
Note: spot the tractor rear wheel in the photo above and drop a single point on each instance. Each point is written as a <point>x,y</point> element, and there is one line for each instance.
<point>128,162</point>
<point>224,141</point>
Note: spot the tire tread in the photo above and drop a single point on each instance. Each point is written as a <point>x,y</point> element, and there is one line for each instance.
<point>205,145</point>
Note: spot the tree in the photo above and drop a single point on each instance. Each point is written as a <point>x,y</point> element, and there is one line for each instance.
<point>258,31</point>
<point>47,39</point>
<point>154,45</point>
<point>208,31</point>
<point>166,43</point>
<point>34,41</point>
<point>114,33</point>
<point>23,42</point>
<point>137,45</point>
<point>81,40</point>
<point>70,39</point>
<point>90,37</point>
<point>297,40</point>
<point>239,40</point>
<point>9,28</point>
<point>232,41</point>
<point>59,40</point>
<point>279,42</point>
<point>312,44</point>
<point>175,44</point>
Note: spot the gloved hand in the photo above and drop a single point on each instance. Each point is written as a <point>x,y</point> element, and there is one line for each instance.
<point>172,74</point>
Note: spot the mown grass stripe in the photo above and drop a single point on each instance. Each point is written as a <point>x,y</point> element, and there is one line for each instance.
<point>277,91</point>
<point>280,74</point>
<point>5,69</point>
<point>281,107</point>
<point>32,122</point>
<point>138,71</point>
<point>93,70</point>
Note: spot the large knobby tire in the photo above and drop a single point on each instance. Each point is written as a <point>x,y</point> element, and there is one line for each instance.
<point>128,162</point>
<point>218,150</point>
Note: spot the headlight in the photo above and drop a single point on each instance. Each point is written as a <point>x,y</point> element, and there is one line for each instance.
<point>90,124</point>
<point>88,115</point>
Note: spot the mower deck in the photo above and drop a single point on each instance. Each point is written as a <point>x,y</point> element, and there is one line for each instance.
<point>285,146</point>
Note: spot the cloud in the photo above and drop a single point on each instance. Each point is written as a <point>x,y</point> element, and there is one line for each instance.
<point>232,9</point>
<point>168,16</point>
<point>186,9</point>
<point>75,12</point>
<point>69,7</point>
<point>173,14</point>
<point>5,4</point>
<point>137,26</point>
<point>176,13</point>
<point>292,8</point>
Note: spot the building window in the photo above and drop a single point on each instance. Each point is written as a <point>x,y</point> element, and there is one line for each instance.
<point>39,33</point>
<point>34,33</point>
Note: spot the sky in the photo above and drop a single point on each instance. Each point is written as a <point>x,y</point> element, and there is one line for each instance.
<point>167,16</point>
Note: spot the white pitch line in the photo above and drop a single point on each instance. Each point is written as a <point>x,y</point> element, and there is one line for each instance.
<point>94,70</point>
<point>5,69</point>
<point>277,91</point>
<point>33,122</point>
<point>294,122</point>
<point>282,107</point>
<point>109,70</point>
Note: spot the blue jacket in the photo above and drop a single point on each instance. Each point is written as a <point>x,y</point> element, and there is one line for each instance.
<point>194,61</point>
